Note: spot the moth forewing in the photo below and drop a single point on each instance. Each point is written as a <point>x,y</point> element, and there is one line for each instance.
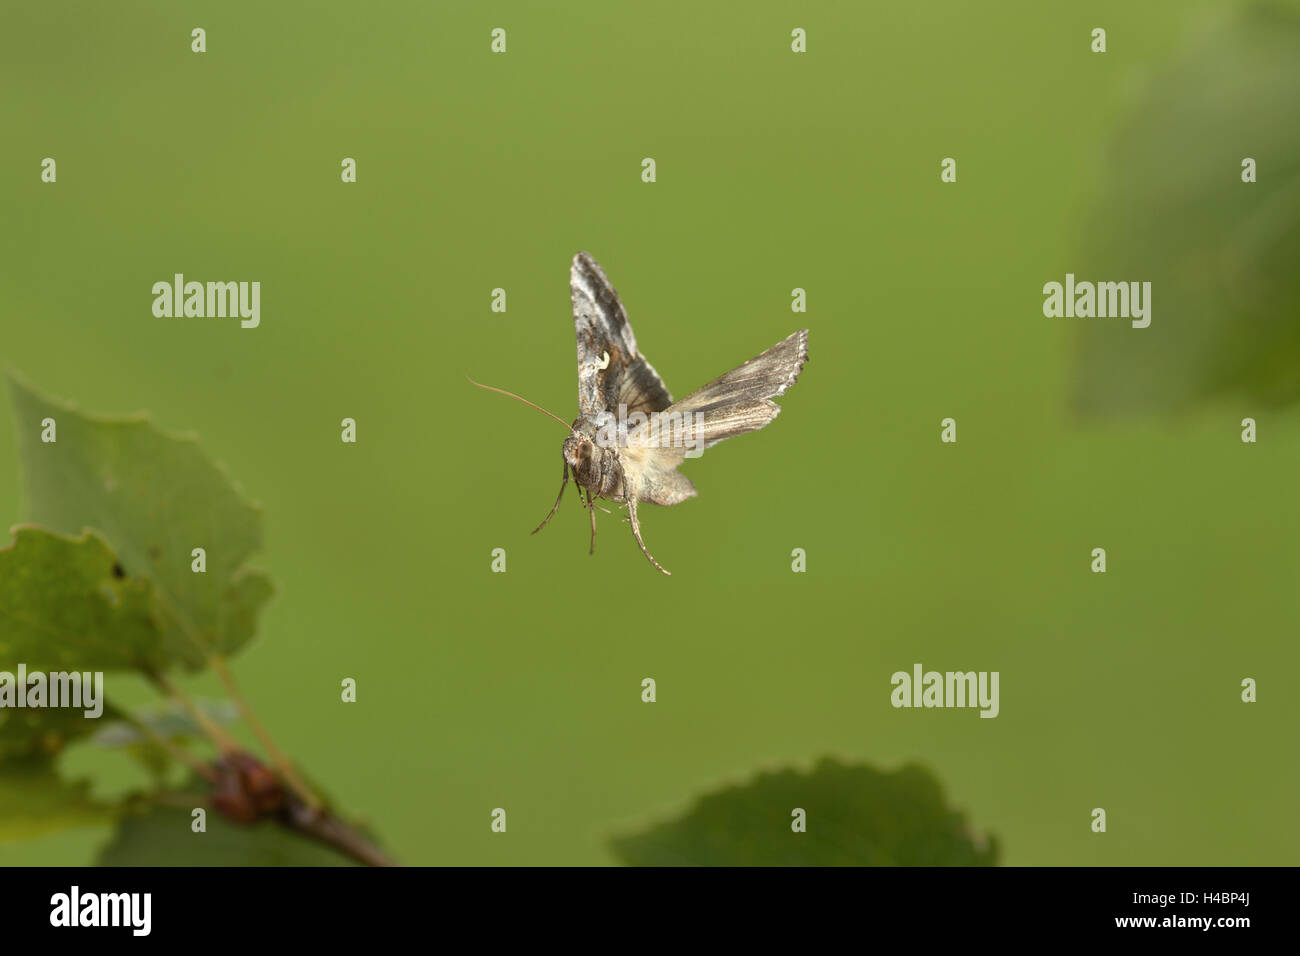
<point>611,371</point>
<point>739,401</point>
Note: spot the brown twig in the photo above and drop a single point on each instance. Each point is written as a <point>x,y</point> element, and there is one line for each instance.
<point>278,757</point>
<point>323,827</point>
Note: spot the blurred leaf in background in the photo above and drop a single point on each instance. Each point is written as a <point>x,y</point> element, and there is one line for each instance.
<point>154,835</point>
<point>856,816</point>
<point>169,721</point>
<point>150,735</point>
<point>35,800</point>
<point>1223,255</point>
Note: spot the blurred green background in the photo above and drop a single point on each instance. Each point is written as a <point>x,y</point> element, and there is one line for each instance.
<point>775,171</point>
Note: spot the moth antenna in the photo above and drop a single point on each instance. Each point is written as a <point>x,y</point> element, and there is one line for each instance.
<point>502,391</point>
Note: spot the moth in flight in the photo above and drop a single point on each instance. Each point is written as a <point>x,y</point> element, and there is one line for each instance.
<point>630,436</point>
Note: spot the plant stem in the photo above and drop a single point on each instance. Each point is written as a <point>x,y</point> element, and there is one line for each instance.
<point>278,757</point>
<point>173,751</point>
<point>324,827</point>
<point>222,740</point>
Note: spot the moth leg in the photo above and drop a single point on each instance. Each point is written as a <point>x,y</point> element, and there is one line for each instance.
<point>630,492</point>
<point>591,507</point>
<point>558,498</point>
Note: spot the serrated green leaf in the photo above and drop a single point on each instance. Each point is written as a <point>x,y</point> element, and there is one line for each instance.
<point>35,800</point>
<point>856,816</point>
<point>161,836</point>
<point>1221,254</point>
<point>65,605</point>
<point>154,497</point>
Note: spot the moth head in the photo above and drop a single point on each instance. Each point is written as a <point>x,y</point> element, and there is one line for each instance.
<point>578,452</point>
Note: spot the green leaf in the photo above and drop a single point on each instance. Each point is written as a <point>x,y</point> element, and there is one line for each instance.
<point>161,836</point>
<point>1221,254</point>
<point>46,730</point>
<point>35,800</point>
<point>170,721</point>
<point>154,497</point>
<point>66,605</point>
<point>856,816</point>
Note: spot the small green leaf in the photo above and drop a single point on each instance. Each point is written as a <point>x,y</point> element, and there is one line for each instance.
<point>856,816</point>
<point>171,721</point>
<point>35,800</point>
<point>155,498</point>
<point>140,736</point>
<point>162,836</point>
<point>65,605</point>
